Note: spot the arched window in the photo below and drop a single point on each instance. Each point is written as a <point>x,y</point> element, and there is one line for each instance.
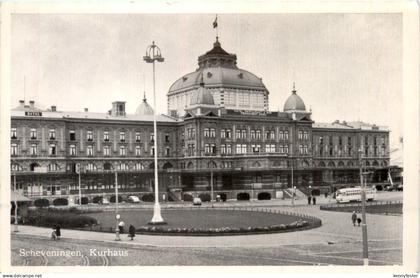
<point>212,165</point>
<point>53,167</point>
<point>15,167</point>
<point>340,164</point>
<point>33,166</point>
<point>123,166</point>
<point>139,166</point>
<point>190,165</point>
<point>167,165</point>
<point>331,164</point>
<point>350,163</point>
<point>256,164</point>
<point>90,167</point>
<point>322,164</point>
<point>305,163</point>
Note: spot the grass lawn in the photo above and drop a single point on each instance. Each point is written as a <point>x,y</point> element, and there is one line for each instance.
<point>196,218</point>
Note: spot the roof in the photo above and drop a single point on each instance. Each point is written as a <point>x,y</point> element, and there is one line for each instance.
<point>218,77</point>
<point>93,116</point>
<point>144,109</point>
<point>202,96</point>
<point>294,102</point>
<point>350,125</point>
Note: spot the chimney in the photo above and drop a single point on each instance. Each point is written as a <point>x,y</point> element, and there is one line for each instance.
<point>336,121</point>
<point>21,103</point>
<point>344,123</point>
<point>53,108</point>
<point>86,110</point>
<point>32,103</point>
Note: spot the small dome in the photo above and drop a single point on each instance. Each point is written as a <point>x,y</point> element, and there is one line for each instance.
<point>202,96</point>
<point>144,108</point>
<point>294,102</point>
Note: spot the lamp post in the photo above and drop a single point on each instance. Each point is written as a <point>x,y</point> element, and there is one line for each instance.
<point>293,193</point>
<point>153,55</point>
<point>117,216</point>
<point>16,229</point>
<point>364,227</point>
<point>80,183</point>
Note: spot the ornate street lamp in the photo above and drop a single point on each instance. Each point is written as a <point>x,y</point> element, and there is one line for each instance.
<point>153,55</point>
<point>364,227</point>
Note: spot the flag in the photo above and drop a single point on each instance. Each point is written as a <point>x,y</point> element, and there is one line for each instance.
<point>215,23</point>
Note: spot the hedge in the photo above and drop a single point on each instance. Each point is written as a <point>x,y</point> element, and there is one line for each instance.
<point>65,220</point>
<point>148,198</point>
<point>205,197</point>
<point>60,202</point>
<point>264,196</point>
<point>85,200</point>
<point>187,197</point>
<point>42,203</point>
<point>112,199</point>
<point>97,199</point>
<point>299,224</point>
<point>243,196</point>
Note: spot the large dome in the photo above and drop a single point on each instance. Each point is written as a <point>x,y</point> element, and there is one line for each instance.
<point>218,68</point>
<point>216,77</point>
<point>144,108</point>
<point>294,103</point>
<point>230,86</point>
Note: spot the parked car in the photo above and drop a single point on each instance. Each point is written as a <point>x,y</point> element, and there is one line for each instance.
<point>197,201</point>
<point>400,187</point>
<point>133,199</point>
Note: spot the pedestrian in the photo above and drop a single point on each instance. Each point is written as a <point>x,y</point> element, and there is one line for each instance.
<point>131,232</point>
<point>359,221</point>
<point>58,231</point>
<point>314,200</point>
<point>326,194</point>
<point>309,199</point>
<point>354,218</point>
<point>121,227</point>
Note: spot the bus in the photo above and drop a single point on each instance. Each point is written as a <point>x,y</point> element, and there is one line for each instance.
<point>347,195</point>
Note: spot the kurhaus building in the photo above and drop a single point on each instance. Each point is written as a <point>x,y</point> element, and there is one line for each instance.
<point>219,132</point>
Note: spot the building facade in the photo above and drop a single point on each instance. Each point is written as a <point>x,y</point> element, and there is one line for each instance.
<point>207,142</point>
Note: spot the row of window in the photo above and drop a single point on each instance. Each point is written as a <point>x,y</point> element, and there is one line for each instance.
<point>52,150</point>
<point>240,149</point>
<point>340,151</point>
<point>349,140</point>
<point>53,167</point>
<point>89,135</point>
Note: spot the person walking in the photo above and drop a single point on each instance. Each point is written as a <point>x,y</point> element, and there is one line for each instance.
<point>58,231</point>
<point>354,218</point>
<point>313,200</point>
<point>121,227</point>
<point>131,232</point>
<point>309,199</point>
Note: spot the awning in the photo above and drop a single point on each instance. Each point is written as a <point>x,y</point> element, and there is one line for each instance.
<point>19,197</point>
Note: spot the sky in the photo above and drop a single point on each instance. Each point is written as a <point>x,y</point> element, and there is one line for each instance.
<point>345,66</point>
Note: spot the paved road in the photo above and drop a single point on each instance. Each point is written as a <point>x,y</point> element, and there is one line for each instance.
<point>335,242</point>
